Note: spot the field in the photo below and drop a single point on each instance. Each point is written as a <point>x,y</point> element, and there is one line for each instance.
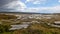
<point>38,24</point>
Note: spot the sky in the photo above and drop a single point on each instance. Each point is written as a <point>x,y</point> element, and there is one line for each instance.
<point>38,6</point>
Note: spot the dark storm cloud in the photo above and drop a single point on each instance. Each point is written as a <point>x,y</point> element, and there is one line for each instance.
<point>3,2</point>
<point>11,5</point>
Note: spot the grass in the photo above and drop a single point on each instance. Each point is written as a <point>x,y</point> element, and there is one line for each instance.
<point>7,33</point>
<point>41,28</point>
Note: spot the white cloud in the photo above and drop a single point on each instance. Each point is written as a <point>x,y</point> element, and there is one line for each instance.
<point>36,1</point>
<point>59,1</point>
<point>19,6</point>
<point>55,9</point>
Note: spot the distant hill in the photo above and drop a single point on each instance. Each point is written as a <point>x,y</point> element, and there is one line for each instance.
<point>29,13</point>
<point>20,12</point>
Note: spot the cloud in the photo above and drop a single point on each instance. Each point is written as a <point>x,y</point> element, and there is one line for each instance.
<point>13,5</point>
<point>59,1</point>
<point>17,5</point>
<point>54,9</point>
<point>3,2</point>
<point>36,1</point>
